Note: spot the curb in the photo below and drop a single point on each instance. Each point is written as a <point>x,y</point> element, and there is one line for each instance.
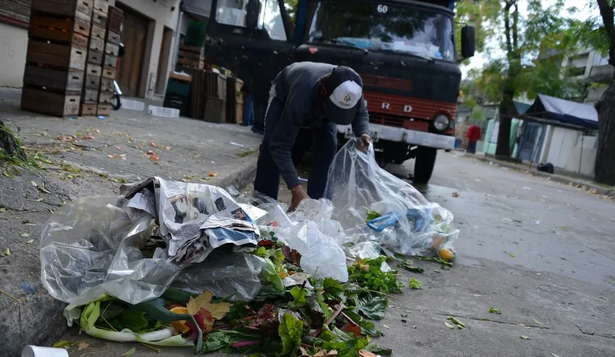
<point>38,319</point>
<point>239,178</point>
<point>556,178</point>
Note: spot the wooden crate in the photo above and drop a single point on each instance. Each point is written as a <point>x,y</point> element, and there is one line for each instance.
<point>114,37</point>
<point>101,5</point>
<point>97,44</point>
<point>103,109</point>
<point>191,63</point>
<point>51,54</point>
<point>88,109</point>
<point>99,18</point>
<point>106,85</point>
<point>215,110</point>
<point>58,36</point>
<point>110,61</point>
<point>92,82</point>
<point>112,49</point>
<point>62,27</point>
<point>98,32</point>
<point>90,96</point>
<point>114,19</point>
<point>194,56</point>
<point>105,97</point>
<point>93,70</point>
<point>95,57</point>
<point>46,102</point>
<point>53,79</point>
<point>108,72</point>
<point>81,9</point>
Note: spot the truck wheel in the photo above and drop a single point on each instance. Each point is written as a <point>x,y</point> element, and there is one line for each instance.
<point>425,162</point>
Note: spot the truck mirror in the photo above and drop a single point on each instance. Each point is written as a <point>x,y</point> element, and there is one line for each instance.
<point>468,41</point>
<point>254,7</point>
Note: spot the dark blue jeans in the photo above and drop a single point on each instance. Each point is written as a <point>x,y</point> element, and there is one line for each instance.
<point>324,149</point>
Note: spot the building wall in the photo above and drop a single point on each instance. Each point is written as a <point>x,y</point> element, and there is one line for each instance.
<point>13,47</point>
<point>160,14</point>
<point>565,151</point>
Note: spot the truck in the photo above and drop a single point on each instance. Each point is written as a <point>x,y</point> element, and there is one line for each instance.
<point>404,50</point>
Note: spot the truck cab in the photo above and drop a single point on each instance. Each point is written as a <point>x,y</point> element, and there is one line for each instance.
<point>404,51</point>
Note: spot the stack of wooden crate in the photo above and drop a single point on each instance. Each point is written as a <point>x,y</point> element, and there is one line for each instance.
<point>234,100</point>
<point>112,48</point>
<point>93,72</point>
<point>191,56</point>
<point>56,57</point>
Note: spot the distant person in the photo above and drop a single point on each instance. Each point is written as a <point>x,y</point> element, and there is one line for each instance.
<point>315,95</point>
<point>248,107</point>
<point>473,136</point>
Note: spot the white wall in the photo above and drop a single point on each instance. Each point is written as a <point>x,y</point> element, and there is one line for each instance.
<point>565,151</point>
<point>160,15</point>
<point>13,48</point>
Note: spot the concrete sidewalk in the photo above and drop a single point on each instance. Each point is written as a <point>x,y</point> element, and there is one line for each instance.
<point>577,182</point>
<point>92,157</point>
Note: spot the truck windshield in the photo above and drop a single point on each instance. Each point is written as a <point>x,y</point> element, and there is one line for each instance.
<point>380,27</point>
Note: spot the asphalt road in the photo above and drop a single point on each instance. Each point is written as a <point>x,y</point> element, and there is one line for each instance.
<point>541,252</point>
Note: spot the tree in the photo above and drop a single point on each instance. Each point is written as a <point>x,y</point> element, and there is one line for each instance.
<point>533,46</point>
<point>600,35</point>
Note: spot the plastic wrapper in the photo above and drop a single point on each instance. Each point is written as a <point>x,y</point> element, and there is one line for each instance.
<point>99,246</point>
<point>311,231</point>
<point>408,224</point>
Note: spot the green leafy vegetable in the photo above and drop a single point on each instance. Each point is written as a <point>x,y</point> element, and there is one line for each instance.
<point>299,294</point>
<point>261,252</point>
<point>290,331</point>
<point>369,275</point>
<point>349,348</point>
<point>372,307</point>
<point>495,310</point>
<point>333,290</point>
<point>223,340</point>
<point>271,275</point>
<point>415,284</point>
<point>408,265</point>
<point>372,215</point>
<point>437,260</point>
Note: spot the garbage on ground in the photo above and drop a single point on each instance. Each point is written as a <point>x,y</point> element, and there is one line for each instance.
<point>186,264</point>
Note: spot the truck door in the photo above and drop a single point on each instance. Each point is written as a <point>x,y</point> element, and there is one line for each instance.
<point>252,38</point>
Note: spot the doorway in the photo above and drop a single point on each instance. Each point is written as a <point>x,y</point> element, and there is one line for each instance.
<point>134,37</point>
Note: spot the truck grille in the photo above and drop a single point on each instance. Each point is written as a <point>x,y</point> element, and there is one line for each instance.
<point>398,122</point>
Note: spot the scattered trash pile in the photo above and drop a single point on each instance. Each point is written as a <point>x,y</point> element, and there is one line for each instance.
<point>183,264</point>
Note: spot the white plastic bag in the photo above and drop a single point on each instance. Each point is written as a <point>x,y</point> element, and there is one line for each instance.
<point>409,223</point>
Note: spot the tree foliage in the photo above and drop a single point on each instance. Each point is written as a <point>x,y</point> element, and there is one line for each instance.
<point>532,46</point>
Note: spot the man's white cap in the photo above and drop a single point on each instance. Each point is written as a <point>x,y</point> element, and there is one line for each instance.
<point>346,89</point>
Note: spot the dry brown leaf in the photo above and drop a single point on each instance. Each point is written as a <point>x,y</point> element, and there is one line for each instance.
<point>213,174</point>
<point>455,194</point>
<point>152,144</point>
<point>217,310</point>
<point>82,345</point>
<point>364,353</point>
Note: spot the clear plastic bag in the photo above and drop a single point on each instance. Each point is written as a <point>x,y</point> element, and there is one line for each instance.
<point>96,246</point>
<point>408,224</point>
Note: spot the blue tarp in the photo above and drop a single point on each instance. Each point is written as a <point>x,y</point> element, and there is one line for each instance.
<point>564,111</point>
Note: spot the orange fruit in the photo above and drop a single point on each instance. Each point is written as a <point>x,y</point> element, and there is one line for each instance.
<point>180,326</point>
<point>447,254</point>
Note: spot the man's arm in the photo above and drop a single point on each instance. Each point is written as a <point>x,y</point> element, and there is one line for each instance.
<point>281,142</point>
<point>360,125</point>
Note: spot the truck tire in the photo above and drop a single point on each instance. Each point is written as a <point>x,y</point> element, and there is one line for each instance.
<point>424,164</point>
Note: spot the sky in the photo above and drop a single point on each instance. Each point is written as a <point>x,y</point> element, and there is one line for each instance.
<point>479,59</point>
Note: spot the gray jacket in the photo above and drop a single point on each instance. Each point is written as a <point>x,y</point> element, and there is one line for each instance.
<point>296,87</point>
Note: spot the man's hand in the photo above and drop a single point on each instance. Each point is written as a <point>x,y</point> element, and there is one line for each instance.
<point>298,195</point>
<point>364,141</point>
